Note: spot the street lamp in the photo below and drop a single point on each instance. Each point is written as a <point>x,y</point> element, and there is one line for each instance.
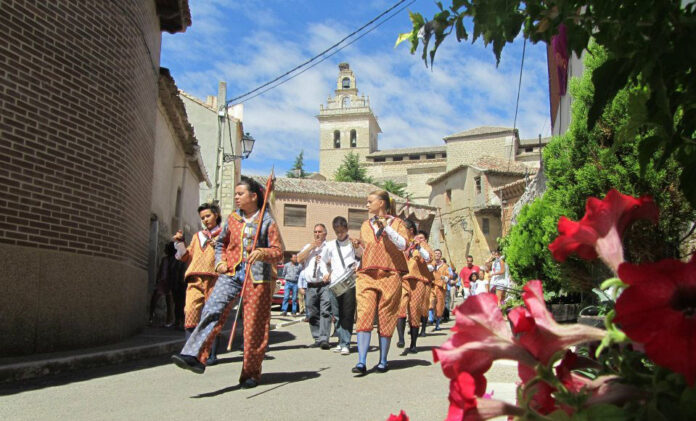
<point>247,146</point>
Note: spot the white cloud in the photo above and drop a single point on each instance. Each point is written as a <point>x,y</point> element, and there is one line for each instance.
<point>415,105</point>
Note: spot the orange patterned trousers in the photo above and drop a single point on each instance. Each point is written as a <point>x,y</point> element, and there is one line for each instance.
<point>412,292</point>
<point>198,289</point>
<point>437,300</point>
<point>425,300</point>
<point>256,308</point>
<point>378,291</point>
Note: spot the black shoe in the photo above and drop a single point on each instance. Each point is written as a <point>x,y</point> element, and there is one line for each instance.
<point>359,369</point>
<point>188,362</point>
<point>325,345</point>
<point>381,368</point>
<point>249,384</point>
<point>412,350</point>
<point>404,352</point>
<point>211,361</point>
<point>314,345</point>
<point>422,333</point>
<point>285,313</point>
<point>400,344</point>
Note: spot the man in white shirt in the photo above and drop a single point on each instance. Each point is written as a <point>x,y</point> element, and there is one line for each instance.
<point>341,255</point>
<point>317,293</point>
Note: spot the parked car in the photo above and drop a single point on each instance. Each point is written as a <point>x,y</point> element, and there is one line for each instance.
<point>280,286</point>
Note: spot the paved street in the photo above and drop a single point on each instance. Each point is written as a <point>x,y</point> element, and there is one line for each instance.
<point>298,383</point>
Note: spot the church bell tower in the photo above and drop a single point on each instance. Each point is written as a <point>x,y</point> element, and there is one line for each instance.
<point>346,124</point>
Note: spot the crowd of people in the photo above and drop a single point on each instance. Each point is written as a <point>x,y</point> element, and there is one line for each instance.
<point>387,278</point>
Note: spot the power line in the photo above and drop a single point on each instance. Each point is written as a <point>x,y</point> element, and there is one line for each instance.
<point>519,84</point>
<point>517,102</point>
<point>318,55</point>
<point>327,56</point>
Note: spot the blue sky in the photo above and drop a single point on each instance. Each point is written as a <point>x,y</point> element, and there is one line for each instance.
<point>247,43</point>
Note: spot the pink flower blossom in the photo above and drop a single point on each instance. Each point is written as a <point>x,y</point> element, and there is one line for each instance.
<point>481,335</point>
<point>539,333</point>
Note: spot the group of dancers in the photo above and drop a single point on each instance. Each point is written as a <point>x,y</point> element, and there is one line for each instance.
<point>399,277</point>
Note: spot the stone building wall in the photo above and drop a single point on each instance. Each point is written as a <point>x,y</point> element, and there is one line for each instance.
<point>77,123</point>
<point>468,150</point>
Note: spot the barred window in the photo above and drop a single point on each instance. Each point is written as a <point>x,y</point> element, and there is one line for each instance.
<point>295,215</point>
<point>356,217</point>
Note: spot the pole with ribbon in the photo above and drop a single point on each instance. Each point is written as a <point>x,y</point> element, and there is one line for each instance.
<point>266,193</point>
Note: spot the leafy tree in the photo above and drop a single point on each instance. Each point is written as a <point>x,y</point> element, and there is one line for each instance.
<point>297,170</point>
<point>391,186</point>
<point>584,163</point>
<point>351,170</point>
<point>649,48</point>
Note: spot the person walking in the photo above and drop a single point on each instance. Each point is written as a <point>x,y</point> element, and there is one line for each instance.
<point>437,296</point>
<point>233,252</point>
<point>291,272</point>
<point>378,285</point>
<point>317,294</point>
<point>413,288</point>
<point>342,255</point>
<point>200,275</point>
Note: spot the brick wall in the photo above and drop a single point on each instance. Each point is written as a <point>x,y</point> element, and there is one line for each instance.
<point>78,93</point>
<point>78,99</point>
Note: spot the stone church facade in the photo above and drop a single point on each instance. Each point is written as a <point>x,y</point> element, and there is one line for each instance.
<point>459,178</point>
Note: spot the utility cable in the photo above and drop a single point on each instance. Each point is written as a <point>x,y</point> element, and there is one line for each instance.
<point>517,102</point>
<point>329,55</point>
<point>318,55</point>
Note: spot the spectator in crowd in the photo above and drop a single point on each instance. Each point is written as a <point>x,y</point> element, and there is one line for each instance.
<point>291,271</point>
<point>317,294</point>
<point>167,275</point>
<point>499,275</point>
<point>301,296</point>
<point>467,270</point>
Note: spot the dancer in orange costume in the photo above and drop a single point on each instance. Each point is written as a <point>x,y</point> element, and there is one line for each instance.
<point>200,275</point>
<point>437,295</point>
<point>413,286</point>
<point>378,284</point>
<point>233,251</point>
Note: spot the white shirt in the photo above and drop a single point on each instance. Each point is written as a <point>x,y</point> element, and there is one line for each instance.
<point>331,257</point>
<point>311,263</point>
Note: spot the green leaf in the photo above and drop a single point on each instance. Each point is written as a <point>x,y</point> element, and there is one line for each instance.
<point>460,29</point>
<point>687,403</point>
<point>608,78</point>
<point>403,37</point>
<point>416,19</point>
<point>647,149</point>
<point>612,282</point>
<point>605,412</point>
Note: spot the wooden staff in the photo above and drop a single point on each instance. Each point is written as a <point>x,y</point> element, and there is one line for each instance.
<point>269,186</point>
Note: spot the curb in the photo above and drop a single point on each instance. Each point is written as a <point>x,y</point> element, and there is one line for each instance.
<point>50,366</point>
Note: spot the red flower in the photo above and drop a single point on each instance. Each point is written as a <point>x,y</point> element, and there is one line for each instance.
<point>538,331</point>
<point>401,417</point>
<point>658,310</point>
<point>481,335</point>
<point>599,232</point>
<point>463,392</point>
<point>466,403</point>
<point>542,401</point>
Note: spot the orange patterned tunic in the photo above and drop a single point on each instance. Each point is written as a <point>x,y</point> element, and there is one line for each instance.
<point>380,253</point>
